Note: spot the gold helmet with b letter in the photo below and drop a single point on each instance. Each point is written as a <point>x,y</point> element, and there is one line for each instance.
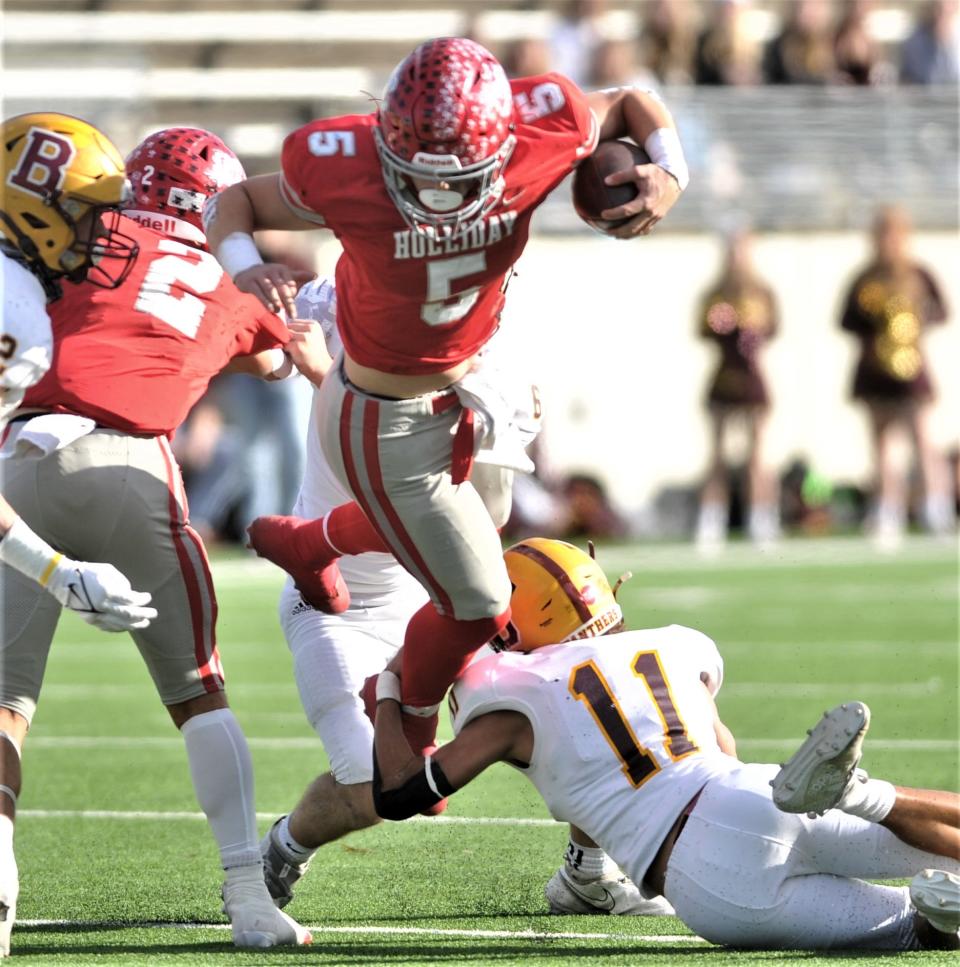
<point>57,169</point>
<point>559,595</point>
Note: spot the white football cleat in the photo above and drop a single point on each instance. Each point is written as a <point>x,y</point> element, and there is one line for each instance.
<point>611,894</point>
<point>256,922</point>
<point>279,873</point>
<point>9,890</point>
<point>819,773</point>
<point>936,896</point>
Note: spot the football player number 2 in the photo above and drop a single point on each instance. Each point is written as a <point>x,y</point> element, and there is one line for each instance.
<point>189,269</point>
<point>590,687</point>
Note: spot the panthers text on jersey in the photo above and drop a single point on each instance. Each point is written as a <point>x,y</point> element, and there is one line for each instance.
<point>623,730</point>
<point>413,302</point>
<point>136,358</point>
<point>26,340</point>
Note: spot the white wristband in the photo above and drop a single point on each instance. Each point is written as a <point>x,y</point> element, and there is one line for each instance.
<point>388,687</point>
<point>28,553</point>
<point>664,148</point>
<point>282,365</point>
<point>238,252</point>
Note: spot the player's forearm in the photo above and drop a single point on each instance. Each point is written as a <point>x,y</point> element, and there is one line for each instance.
<point>7,516</point>
<point>395,759</point>
<point>227,212</point>
<point>630,112</point>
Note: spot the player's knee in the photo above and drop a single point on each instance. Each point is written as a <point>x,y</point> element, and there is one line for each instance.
<point>182,712</point>
<point>347,738</point>
<point>481,630</point>
<point>13,727</point>
<point>490,603</point>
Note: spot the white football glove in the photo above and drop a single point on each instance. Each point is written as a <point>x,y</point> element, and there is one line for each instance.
<point>101,595</point>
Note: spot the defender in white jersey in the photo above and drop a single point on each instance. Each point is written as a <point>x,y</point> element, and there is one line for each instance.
<point>620,734</point>
<point>334,654</point>
<point>60,179</point>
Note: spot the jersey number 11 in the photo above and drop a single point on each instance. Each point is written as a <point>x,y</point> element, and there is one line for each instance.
<point>590,687</point>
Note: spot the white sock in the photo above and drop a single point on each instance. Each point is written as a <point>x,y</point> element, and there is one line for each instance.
<point>294,850</point>
<point>712,523</point>
<point>6,836</point>
<point>938,515</point>
<point>251,875</point>
<point>587,862</point>
<point>222,776</point>
<point>870,799</point>
<point>891,516</point>
<point>763,523</point>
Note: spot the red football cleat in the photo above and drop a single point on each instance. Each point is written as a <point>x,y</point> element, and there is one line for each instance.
<point>322,586</point>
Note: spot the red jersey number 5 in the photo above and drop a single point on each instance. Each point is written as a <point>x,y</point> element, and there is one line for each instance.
<point>195,273</point>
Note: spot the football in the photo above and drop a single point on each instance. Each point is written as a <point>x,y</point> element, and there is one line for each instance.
<point>591,195</point>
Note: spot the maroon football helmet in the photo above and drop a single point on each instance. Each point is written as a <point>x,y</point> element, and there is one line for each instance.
<point>173,173</point>
<point>445,134</point>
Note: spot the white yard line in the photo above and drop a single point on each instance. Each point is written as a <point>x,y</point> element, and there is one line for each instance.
<point>174,815</point>
<point>782,690</point>
<point>308,742</point>
<point>790,690</point>
<point>824,551</point>
<point>372,931</point>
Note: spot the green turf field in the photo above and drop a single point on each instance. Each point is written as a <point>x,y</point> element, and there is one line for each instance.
<point>117,867</point>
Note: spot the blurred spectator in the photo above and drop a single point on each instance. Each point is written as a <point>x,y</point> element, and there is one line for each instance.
<point>266,412</point>
<point>805,499</point>
<point>526,57</point>
<point>889,304</point>
<point>857,54</point>
<point>727,51</point>
<point>668,40</point>
<point>538,505</point>
<point>210,452</point>
<point>614,64</point>
<point>739,313</point>
<point>802,53</point>
<point>576,37</point>
<point>589,511</point>
<point>930,54</point>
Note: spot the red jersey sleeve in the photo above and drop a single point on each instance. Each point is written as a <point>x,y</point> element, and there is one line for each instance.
<point>554,108</point>
<point>315,157</point>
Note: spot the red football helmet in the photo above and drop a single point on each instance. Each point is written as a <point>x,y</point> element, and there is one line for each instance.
<point>173,173</point>
<point>446,133</point>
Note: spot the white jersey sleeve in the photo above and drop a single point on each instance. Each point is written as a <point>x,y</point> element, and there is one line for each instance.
<point>700,650</point>
<point>317,300</point>
<point>623,730</point>
<point>26,340</point>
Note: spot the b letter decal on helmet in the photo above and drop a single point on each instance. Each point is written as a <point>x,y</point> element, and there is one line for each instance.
<point>43,164</point>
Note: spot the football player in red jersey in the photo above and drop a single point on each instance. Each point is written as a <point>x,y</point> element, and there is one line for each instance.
<point>431,197</point>
<point>130,363</point>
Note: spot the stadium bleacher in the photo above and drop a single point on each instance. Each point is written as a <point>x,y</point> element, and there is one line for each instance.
<point>253,71</point>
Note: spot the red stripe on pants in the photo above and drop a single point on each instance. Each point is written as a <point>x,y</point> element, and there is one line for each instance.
<point>210,677</point>
<point>370,461</point>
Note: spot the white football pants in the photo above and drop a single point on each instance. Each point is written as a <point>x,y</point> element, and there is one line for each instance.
<point>745,874</point>
<point>332,656</point>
